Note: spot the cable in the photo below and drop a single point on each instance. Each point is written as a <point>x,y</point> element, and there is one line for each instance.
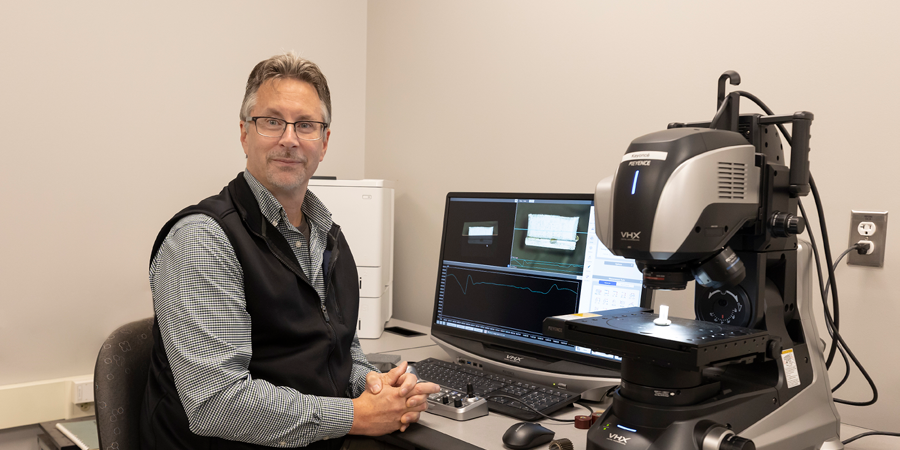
<point>840,348</point>
<point>819,277</point>
<point>535,410</point>
<point>846,370</point>
<point>721,111</point>
<point>590,410</point>
<point>833,282</point>
<point>823,228</point>
<point>856,247</point>
<point>822,291</point>
<point>870,433</point>
<point>831,323</point>
<point>755,99</point>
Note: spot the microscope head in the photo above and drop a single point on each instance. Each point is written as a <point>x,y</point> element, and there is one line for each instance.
<point>676,200</point>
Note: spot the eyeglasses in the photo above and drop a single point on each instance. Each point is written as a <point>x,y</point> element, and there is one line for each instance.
<point>306,130</point>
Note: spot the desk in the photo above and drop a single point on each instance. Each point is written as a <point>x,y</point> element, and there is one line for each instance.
<point>486,431</point>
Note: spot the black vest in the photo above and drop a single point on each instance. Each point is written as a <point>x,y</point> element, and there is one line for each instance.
<point>294,343</point>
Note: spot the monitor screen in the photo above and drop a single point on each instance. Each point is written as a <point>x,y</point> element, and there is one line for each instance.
<point>510,260</point>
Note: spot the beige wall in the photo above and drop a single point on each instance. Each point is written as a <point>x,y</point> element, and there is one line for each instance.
<point>438,96</point>
<point>545,96</point>
<point>115,116</point>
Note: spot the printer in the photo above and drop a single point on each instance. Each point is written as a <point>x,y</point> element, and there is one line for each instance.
<point>365,211</point>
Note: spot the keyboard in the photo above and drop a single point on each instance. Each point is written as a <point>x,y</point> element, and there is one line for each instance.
<point>455,377</point>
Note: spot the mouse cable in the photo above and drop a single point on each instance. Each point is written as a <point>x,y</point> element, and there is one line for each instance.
<point>870,433</point>
<point>535,410</point>
<point>590,410</point>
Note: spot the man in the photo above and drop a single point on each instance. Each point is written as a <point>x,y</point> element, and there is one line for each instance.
<point>255,296</point>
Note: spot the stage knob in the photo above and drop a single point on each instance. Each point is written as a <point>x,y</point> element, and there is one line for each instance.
<point>457,403</point>
<point>715,438</point>
<point>470,391</point>
<point>738,443</point>
<point>718,437</point>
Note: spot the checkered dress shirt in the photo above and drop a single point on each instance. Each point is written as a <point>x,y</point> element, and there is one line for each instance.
<point>198,298</point>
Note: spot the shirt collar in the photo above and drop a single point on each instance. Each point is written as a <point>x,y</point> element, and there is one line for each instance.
<point>317,215</point>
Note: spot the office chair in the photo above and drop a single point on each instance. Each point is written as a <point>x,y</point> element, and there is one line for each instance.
<point>120,378</point>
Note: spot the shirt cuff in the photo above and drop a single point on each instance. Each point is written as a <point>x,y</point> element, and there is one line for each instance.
<point>335,417</point>
<point>358,382</point>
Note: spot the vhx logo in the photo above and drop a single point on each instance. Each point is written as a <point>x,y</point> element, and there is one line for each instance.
<point>515,359</point>
<point>639,163</point>
<point>618,439</point>
<point>631,235</point>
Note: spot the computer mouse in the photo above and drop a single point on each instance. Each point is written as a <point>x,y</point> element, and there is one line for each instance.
<point>526,435</point>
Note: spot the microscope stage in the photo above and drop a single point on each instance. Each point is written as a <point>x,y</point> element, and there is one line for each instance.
<point>631,333</point>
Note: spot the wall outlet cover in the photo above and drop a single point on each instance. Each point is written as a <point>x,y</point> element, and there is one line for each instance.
<point>872,226</point>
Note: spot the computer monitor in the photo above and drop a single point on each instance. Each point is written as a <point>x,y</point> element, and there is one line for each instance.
<point>509,260</point>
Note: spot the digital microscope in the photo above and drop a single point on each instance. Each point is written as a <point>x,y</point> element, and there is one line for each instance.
<point>714,202</point>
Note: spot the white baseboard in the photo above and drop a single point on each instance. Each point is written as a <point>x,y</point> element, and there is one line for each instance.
<point>41,401</point>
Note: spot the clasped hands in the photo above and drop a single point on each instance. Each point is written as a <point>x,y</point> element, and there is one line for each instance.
<point>391,401</point>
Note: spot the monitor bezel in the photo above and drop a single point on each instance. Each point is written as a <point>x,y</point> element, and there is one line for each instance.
<point>536,350</point>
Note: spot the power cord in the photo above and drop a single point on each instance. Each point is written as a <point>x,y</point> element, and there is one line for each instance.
<point>862,248</point>
<point>832,324</point>
<point>823,228</point>
<point>846,370</point>
<point>822,289</point>
<point>870,433</point>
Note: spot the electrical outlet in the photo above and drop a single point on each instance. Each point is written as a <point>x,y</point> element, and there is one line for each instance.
<point>870,226</point>
<point>83,392</point>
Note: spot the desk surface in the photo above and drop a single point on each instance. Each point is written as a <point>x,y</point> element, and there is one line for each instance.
<point>486,431</point>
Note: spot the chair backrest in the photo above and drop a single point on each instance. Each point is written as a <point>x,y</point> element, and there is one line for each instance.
<point>120,378</point>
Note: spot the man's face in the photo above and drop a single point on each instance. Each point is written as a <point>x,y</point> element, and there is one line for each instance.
<point>284,164</point>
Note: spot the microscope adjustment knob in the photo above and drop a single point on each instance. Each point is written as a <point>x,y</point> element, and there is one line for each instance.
<point>773,349</point>
<point>718,437</point>
<point>457,403</point>
<point>470,391</point>
<point>738,443</point>
<point>786,224</point>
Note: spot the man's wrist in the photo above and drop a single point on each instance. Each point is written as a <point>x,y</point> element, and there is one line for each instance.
<point>335,416</point>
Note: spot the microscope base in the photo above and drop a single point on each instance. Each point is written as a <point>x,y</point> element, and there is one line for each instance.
<point>640,426</point>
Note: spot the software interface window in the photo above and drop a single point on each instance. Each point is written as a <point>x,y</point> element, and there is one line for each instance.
<point>509,263</point>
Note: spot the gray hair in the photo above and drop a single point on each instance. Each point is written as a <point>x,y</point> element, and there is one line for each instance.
<point>288,65</point>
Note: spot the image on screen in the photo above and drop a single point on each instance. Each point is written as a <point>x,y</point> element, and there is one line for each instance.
<point>508,263</point>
